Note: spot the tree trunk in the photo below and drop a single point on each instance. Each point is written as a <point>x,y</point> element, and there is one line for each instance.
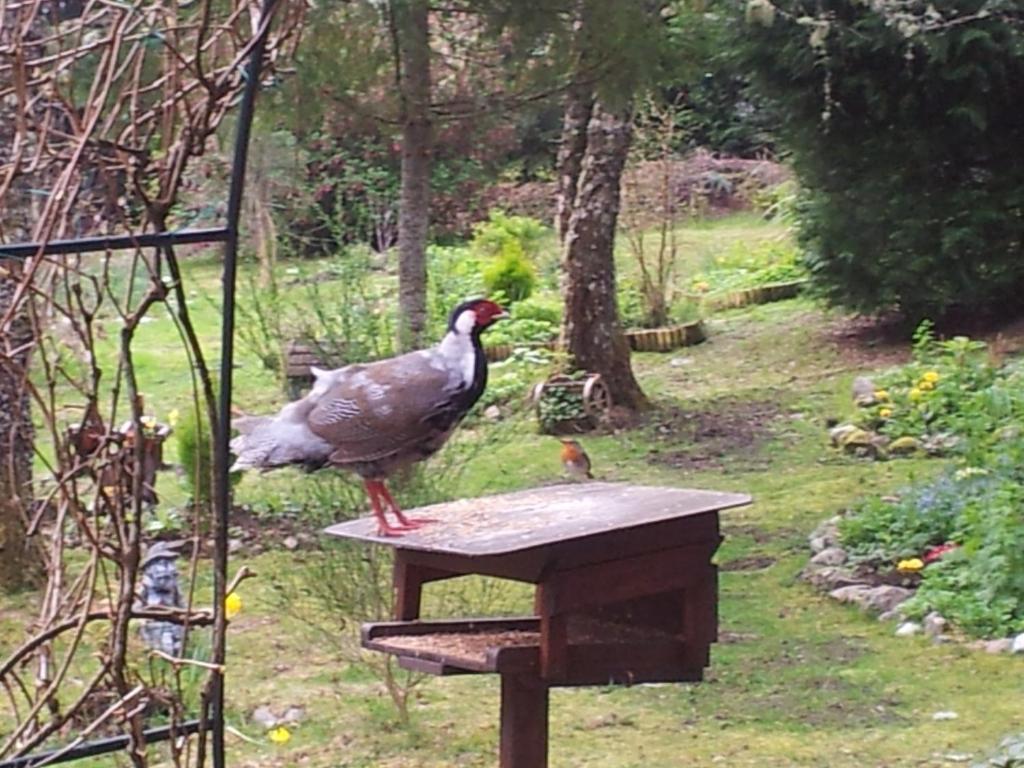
<point>578,106</point>
<point>413,32</point>
<point>590,330</point>
<point>18,565</point>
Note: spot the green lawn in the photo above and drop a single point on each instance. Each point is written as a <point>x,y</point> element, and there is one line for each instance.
<point>795,680</point>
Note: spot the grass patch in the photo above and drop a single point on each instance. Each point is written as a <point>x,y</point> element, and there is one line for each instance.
<point>795,679</point>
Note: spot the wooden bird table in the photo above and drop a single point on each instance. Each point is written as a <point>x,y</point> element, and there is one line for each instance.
<point>626,593</point>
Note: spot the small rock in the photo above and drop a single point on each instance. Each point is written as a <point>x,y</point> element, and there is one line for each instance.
<point>854,593</point>
<point>830,556</point>
<point>290,542</point>
<point>861,442</point>
<point>293,715</point>
<point>1017,646</point>
<point>234,545</point>
<point>908,628</point>
<point>891,615</point>
<point>825,535</point>
<point>263,716</point>
<point>864,391</point>
<point>945,716</point>
<point>885,598</point>
<point>679,362</point>
<point>839,433</point>
<point>934,624</point>
<point>492,413</point>
<point>940,443</point>
<point>1002,645</point>
<point>829,578</point>
<point>905,446</point>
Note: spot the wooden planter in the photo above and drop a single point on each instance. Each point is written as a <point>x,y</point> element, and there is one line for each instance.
<point>666,339</point>
<point>116,468</point>
<point>301,356</point>
<point>640,340</point>
<point>594,395</point>
<point>761,294</point>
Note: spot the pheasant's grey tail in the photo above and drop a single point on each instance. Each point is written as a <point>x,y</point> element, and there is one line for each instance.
<point>266,442</point>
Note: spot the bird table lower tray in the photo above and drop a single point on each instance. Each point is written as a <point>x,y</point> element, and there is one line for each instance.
<point>599,652</point>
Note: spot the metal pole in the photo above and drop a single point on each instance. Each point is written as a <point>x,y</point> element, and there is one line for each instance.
<point>102,746</point>
<point>114,243</point>
<point>221,449</point>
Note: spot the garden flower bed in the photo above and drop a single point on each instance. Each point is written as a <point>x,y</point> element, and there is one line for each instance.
<point>955,543</point>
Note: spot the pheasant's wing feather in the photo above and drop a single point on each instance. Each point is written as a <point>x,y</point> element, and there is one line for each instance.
<point>382,408</point>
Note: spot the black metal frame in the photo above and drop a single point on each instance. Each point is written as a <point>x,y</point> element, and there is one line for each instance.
<point>228,234</point>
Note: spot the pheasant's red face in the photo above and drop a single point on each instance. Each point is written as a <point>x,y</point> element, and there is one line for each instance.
<point>487,312</point>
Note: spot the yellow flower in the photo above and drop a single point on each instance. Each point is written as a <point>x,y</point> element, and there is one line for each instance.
<point>930,376</point>
<point>881,394</point>
<point>915,394</point>
<point>173,416</point>
<point>912,565</point>
<point>885,413</point>
<point>232,605</point>
<point>926,385</point>
<point>279,735</point>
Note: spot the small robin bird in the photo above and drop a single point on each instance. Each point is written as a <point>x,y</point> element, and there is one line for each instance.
<point>575,460</point>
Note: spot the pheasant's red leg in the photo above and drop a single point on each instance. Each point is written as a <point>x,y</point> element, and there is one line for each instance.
<point>407,522</point>
<point>384,528</point>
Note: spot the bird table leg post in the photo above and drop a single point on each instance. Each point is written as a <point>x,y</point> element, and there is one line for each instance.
<point>408,580</point>
<point>524,722</point>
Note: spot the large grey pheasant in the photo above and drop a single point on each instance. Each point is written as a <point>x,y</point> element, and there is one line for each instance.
<point>376,418</point>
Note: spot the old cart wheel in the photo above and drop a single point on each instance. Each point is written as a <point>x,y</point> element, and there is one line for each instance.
<point>597,400</point>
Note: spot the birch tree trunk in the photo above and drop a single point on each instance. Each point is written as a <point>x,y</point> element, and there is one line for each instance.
<point>18,564</point>
<point>413,30</point>
<point>590,330</point>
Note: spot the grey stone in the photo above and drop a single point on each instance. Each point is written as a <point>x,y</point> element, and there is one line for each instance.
<point>945,715</point>
<point>864,391</point>
<point>234,545</point>
<point>887,597</point>
<point>905,446</point>
<point>1017,646</point>
<point>290,542</point>
<point>893,615</point>
<point>492,413</point>
<point>830,556</point>
<point>839,433</point>
<point>678,362</point>
<point>854,593</point>
<point>829,577</point>
<point>264,717</point>
<point>934,624</point>
<point>825,535</point>
<point>293,715</point>
<point>908,628</point>
<point>878,599</point>
<point>1002,645</point>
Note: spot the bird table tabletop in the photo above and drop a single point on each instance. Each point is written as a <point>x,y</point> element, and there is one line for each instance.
<point>511,522</point>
